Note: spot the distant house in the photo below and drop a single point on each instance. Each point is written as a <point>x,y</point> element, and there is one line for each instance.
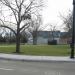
<point>65,38</point>
<point>45,36</point>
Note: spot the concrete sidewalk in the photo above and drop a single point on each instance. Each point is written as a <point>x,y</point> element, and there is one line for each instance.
<point>35,58</point>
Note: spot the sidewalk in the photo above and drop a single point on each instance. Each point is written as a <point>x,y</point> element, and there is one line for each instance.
<point>35,58</point>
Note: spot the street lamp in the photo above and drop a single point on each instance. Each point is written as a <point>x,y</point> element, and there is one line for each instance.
<point>73,31</point>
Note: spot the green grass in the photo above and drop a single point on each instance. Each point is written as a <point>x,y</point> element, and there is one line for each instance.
<point>48,50</point>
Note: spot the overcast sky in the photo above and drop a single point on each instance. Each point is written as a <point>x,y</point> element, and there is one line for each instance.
<point>53,8</point>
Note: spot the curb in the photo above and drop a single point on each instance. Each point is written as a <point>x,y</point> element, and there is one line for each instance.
<point>31,58</point>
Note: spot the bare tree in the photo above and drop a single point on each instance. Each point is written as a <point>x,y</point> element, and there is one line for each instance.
<point>52,30</point>
<point>21,14</point>
<point>35,26</point>
<point>67,21</point>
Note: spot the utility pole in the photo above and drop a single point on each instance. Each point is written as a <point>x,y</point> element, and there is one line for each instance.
<point>73,32</point>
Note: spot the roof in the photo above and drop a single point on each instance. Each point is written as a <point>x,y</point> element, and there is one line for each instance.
<point>47,34</point>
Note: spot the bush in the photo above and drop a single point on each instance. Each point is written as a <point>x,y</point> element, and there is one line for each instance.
<point>53,42</point>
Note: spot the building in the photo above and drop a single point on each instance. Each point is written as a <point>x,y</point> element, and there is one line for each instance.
<point>45,36</point>
<point>65,38</point>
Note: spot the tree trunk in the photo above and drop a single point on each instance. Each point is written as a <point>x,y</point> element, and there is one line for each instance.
<point>35,38</point>
<point>18,40</point>
<point>52,35</point>
<point>18,43</point>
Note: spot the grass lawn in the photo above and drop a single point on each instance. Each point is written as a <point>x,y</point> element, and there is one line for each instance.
<point>48,50</point>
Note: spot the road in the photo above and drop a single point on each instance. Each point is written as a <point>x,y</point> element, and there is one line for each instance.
<point>36,68</point>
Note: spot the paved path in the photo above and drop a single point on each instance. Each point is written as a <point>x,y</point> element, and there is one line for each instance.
<point>35,58</point>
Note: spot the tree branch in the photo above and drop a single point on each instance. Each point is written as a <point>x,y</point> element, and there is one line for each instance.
<point>8,28</point>
<point>26,25</point>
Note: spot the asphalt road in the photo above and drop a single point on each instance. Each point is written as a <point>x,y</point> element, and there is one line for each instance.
<point>36,68</point>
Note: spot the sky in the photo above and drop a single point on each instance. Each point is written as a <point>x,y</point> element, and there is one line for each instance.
<point>53,9</point>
